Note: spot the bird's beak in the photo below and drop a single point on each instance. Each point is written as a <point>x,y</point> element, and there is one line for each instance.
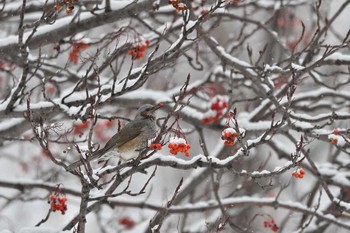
<point>156,107</point>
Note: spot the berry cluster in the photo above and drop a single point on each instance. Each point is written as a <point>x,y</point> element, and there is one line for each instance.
<point>6,66</point>
<point>77,47</point>
<point>137,50</point>
<point>279,81</point>
<point>299,173</point>
<point>178,5</point>
<point>50,89</point>
<point>45,153</point>
<point>179,145</point>
<point>155,146</point>
<point>78,129</point>
<point>337,138</point>
<point>198,6</point>
<point>127,223</point>
<point>218,106</point>
<point>333,141</point>
<point>235,2</point>
<point>271,224</point>
<point>68,4</point>
<point>219,103</point>
<point>58,203</point>
<point>229,136</point>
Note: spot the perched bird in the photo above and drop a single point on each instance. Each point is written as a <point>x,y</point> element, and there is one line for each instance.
<point>130,140</point>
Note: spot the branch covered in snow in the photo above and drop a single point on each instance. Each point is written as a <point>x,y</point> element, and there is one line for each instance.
<point>251,127</point>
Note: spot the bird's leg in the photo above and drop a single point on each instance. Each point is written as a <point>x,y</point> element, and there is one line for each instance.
<point>137,160</point>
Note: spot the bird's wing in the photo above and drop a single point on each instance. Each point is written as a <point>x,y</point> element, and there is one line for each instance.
<point>129,132</point>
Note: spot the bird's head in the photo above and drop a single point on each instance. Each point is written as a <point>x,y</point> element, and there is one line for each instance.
<point>147,111</point>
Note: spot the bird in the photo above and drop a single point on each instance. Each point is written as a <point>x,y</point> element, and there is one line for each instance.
<point>130,140</point>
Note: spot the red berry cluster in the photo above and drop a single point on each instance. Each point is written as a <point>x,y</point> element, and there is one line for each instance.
<point>50,89</point>
<point>58,203</point>
<point>218,103</point>
<point>155,146</point>
<point>333,141</point>
<point>229,136</point>
<point>78,129</point>
<point>218,106</point>
<point>299,173</point>
<point>198,6</point>
<point>235,2</point>
<point>44,153</point>
<point>77,47</point>
<point>332,138</point>
<point>137,50</point>
<point>68,4</point>
<point>279,81</point>
<point>178,5</point>
<point>179,145</point>
<point>271,224</point>
<point>127,223</point>
<point>6,66</point>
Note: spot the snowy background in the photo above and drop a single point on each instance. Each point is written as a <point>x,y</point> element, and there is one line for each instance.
<point>258,89</point>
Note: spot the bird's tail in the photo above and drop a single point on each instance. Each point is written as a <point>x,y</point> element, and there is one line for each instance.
<point>81,161</point>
